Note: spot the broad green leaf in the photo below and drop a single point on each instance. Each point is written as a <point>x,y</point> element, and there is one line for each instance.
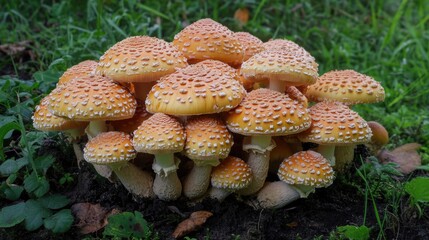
<point>8,167</point>
<point>12,215</point>
<point>47,79</point>
<point>4,130</point>
<point>354,232</point>
<point>44,162</point>
<point>59,222</point>
<point>13,192</point>
<point>43,187</point>
<point>418,188</point>
<point>127,225</point>
<point>423,167</point>
<point>37,185</point>
<point>5,120</point>
<point>34,214</point>
<point>55,201</point>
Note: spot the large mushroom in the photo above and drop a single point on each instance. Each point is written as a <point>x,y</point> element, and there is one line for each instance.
<point>251,44</point>
<point>262,114</point>
<point>162,136</point>
<point>207,39</point>
<point>334,124</point>
<point>141,60</point>
<point>115,149</point>
<point>207,141</point>
<point>230,175</point>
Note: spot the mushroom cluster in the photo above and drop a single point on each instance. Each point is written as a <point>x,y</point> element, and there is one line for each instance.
<point>225,108</point>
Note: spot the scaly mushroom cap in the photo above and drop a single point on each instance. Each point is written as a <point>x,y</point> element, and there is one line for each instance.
<point>297,95</point>
<point>207,140</point>
<point>221,66</point>
<point>346,86</point>
<point>159,134</point>
<point>82,69</point>
<point>140,59</point>
<point>251,44</point>
<point>268,112</point>
<point>45,121</point>
<point>295,68</point>
<point>109,147</point>
<point>231,174</point>
<point>334,123</point>
<point>91,98</point>
<point>131,124</point>
<point>306,168</point>
<point>195,90</point>
<point>207,39</point>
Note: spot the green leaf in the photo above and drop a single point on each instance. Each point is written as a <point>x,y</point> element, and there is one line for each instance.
<point>127,225</point>
<point>13,192</point>
<point>44,162</point>
<point>423,167</point>
<point>354,232</point>
<point>43,187</point>
<point>47,79</point>
<point>5,120</point>
<point>55,201</point>
<point>12,215</point>
<point>37,185</point>
<point>4,130</point>
<point>418,188</point>
<point>34,214</point>
<point>8,167</point>
<point>59,222</point>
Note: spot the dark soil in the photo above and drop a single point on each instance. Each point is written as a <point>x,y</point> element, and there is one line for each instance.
<point>340,204</point>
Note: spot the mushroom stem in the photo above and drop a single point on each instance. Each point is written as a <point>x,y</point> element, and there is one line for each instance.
<point>343,157</point>
<point>164,163</point>
<point>78,153</point>
<point>262,142</point>
<point>218,194</point>
<point>327,151</point>
<point>197,181</point>
<point>275,195</point>
<point>167,187</point>
<point>95,127</point>
<point>142,89</point>
<point>134,179</point>
<point>304,190</point>
<point>74,134</point>
<point>277,85</point>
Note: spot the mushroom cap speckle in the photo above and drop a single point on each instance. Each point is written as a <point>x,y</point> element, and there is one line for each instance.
<point>195,90</point>
<point>346,86</point>
<point>334,123</point>
<point>221,66</point>
<point>268,112</point>
<point>231,174</point>
<point>45,121</point>
<point>207,39</point>
<point>251,44</point>
<point>131,124</point>
<point>82,69</point>
<point>306,168</point>
<point>207,140</point>
<point>140,59</point>
<point>160,134</point>
<point>295,68</point>
<point>90,98</point>
<point>109,147</point>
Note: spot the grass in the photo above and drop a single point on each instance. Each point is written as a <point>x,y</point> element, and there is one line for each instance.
<point>387,40</point>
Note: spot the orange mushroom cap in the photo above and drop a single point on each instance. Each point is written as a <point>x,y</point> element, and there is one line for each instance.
<point>231,174</point>
<point>251,44</point>
<point>82,69</point>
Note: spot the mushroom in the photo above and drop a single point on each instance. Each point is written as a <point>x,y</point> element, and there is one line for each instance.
<point>380,137</point>
<point>141,60</point>
<point>131,124</point>
<point>207,39</point>
<point>162,136</point>
<point>264,113</point>
<point>345,86</point>
<point>334,124</point>
<point>282,68</point>
<point>115,149</point>
<point>275,195</point>
<point>305,171</point>
<point>84,68</point>
<point>251,44</point>
<point>195,90</point>
<point>207,141</point>
<point>94,99</point>
<point>229,176</point>
<point>280,152</point>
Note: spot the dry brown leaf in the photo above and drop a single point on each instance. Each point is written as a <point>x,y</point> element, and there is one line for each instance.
<point>406,156</point>
<point>195,221</point>
<point>12,49</point>
<point>91,217</point>
<point>242,15</point>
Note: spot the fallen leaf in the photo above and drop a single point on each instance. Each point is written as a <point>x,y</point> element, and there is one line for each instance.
<point>292,224</point>
<point>195,221</point>
<point>406,156</point>
<point>242,15</point>
<point>91,217</point>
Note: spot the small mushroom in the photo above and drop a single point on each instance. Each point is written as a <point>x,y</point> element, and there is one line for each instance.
<point>162,136</point>
<point>115,149</point>
<point>84,68</point>
<point>229,176</point>
<point>251,44</point>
